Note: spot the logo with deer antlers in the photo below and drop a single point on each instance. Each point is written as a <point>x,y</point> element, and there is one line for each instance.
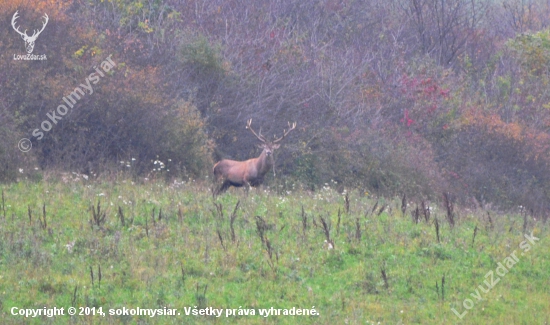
<point>29,40</point>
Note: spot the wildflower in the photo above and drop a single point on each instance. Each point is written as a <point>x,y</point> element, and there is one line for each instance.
<point>70,246</point>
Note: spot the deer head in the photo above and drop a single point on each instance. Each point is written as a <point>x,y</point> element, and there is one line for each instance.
<point>269,146</point>
<point>29,40</point>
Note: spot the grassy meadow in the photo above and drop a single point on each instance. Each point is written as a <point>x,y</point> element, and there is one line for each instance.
<point>355,259</point>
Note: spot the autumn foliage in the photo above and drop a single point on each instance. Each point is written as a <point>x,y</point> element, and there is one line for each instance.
<point>385,99</point>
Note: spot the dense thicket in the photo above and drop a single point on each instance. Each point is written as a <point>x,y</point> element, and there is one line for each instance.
<point>404,96</point>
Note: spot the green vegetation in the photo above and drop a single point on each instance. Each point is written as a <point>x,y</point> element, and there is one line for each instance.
<point>385,99</point>
<point>158,244</point>
<point>410,105</point>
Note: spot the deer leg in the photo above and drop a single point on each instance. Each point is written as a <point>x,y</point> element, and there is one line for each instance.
<point>247,187</point>
<point>225,185</point>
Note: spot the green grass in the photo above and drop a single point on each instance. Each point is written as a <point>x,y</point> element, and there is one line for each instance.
<point>179,261</point>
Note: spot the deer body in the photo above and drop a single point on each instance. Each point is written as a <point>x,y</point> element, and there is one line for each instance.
<point>238,173</point>
<point>250,172</point>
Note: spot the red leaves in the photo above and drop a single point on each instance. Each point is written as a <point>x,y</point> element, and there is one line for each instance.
<point>424,95</point>
<point>406,120</point>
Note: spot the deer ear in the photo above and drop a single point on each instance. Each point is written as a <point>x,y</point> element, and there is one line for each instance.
<point>275,146</point>
<point>261,146</point>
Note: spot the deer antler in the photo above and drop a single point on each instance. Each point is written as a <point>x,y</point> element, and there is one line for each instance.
<point>260,136</point>
<point>14,18</point>
<point>29,40</point>
<point>35,33</point>
<point>291,127</point>
<point>46,19</point>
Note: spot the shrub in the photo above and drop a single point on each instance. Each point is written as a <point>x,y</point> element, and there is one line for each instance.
<point>185,141</point>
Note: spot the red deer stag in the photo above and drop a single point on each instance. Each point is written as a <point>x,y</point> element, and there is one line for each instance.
<point>252,171</point>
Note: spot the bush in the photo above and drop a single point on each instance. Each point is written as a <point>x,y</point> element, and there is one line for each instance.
<point>499,162</point>
<point>185,142</point>
<point>374,159</point>
<point>10,158</point>
<point>15,163</point>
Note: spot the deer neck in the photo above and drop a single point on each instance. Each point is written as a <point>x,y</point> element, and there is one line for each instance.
<point>264,163</point>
